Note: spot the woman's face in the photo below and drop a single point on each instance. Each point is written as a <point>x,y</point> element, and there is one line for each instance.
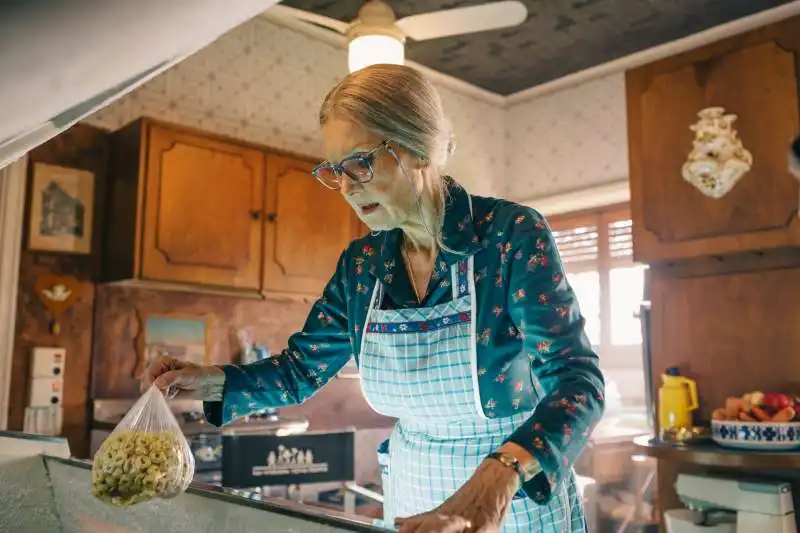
<point>386,202</point>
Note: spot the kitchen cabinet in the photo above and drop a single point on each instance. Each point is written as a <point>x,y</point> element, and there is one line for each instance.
<point>308,227</point>
<point>754,76</point>
<point>190,208</point>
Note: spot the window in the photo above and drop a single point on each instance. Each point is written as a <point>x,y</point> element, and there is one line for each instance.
<point>597,251</point>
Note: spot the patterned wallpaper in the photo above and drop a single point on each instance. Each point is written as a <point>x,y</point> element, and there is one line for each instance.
<point>567,140</point>
<point>263,83</point>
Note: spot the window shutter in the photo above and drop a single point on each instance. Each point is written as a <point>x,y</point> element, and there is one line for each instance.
<point>577,246</point>
<point>620,239</point>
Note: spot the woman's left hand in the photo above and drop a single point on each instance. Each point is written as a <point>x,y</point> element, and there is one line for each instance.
<point>479,506</point>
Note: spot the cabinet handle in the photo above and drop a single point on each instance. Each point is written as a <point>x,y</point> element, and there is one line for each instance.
<point>255,214</point>
<point>272,217</point>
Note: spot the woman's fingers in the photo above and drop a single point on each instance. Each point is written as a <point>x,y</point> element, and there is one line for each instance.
<point>433,523</point>
<point>158,367</point>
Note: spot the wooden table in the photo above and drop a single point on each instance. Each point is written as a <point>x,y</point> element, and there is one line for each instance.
<point>713,455</point>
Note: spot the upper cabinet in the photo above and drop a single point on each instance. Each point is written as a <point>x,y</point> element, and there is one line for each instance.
<point>308,227</point>
<point>753,76</point>
<point>188,208</point>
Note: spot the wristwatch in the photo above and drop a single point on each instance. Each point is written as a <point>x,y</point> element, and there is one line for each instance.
<point>508,460</point>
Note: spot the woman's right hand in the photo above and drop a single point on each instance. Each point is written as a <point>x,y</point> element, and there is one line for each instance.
<point>188,380</point>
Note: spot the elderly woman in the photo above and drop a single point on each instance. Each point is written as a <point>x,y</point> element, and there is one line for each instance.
<point>460,318</point>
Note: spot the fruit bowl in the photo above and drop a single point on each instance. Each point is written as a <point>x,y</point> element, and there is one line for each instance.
<point>759,436</point>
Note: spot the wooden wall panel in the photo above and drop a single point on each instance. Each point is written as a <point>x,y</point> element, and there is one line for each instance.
<point>86,148</point>
<point>732,333</point>
<point>754,76</point>
<point>732,326</point>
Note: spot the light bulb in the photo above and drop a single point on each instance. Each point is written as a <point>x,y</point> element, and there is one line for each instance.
<point>369,50</point>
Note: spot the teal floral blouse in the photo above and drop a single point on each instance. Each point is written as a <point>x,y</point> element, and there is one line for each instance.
<point>533,354</point>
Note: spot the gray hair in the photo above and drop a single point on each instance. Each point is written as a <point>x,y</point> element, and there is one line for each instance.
<point>396,103</point>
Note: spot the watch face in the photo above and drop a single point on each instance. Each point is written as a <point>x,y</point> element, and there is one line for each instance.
<point>508,459</point>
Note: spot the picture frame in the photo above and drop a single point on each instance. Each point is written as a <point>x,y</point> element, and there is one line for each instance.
<point>61,214</point>
<point>182,336</point>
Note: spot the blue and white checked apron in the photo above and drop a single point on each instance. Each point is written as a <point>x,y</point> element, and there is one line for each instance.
<point>419,366</point>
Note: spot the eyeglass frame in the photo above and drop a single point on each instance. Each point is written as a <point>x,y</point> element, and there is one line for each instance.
<point>366,158</point>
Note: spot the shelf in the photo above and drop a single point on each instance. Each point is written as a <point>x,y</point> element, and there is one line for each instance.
<point>713,455</point>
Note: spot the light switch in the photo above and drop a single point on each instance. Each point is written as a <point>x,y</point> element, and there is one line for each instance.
<point>48,362</point>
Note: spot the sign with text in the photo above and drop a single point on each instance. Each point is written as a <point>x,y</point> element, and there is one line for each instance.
<point>260,460</point>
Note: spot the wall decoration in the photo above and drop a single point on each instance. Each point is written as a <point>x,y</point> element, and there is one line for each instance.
<point>57,293</point>
<point>718,159</point>
<point>62,205</point>
<point>183,337</point>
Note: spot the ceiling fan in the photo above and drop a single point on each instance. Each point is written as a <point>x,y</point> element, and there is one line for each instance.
<point>377,36</point>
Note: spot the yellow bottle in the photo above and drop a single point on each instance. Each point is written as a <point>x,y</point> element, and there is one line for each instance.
<point>677,398</point>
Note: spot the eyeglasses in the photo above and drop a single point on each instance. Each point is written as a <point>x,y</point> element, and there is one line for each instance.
<point>358,168</point>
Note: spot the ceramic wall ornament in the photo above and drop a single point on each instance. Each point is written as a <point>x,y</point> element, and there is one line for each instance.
<point>57,293</point>
<point>718,159</point>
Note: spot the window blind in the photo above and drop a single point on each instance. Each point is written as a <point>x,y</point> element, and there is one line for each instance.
<point>620,239</point>
<point>577,245</point>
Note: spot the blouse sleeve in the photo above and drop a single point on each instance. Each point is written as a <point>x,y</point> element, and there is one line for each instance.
<point>313,357</point>
<point>545,310</point>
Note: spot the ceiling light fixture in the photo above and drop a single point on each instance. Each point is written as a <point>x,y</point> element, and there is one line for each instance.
<point>374,37</point>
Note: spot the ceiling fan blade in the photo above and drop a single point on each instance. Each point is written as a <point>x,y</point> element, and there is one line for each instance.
<point>461,20</point>
<point>307,16</point>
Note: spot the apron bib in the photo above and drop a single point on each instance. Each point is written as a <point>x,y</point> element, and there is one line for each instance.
<point>420,367</point>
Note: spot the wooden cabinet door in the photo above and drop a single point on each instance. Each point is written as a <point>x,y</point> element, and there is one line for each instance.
<point>203,210</point>
<point>308,227</point>
<point>754,76</point>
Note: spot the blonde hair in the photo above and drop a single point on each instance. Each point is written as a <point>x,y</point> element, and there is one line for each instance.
<point>397,103</point>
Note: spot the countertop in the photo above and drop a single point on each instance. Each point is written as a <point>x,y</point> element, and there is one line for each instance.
<point>317,515</point>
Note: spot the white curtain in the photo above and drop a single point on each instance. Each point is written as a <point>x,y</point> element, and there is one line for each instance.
<point>63,59</point>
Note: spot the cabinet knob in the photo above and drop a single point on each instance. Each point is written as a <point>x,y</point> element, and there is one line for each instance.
<point>272,217</point>
<point>255,215</point>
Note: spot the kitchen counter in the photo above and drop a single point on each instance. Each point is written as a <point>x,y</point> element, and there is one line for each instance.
<point>57,497</point>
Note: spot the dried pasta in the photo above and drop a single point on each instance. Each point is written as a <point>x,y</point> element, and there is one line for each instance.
<point>139,462</point>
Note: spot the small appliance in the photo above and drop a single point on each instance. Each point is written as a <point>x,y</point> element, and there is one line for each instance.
<point>727,505</point>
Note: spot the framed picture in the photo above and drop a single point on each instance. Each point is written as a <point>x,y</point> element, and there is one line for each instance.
<point>184,337</point>
<point>62,209</point>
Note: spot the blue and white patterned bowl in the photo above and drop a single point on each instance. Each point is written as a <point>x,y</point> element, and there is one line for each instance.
<point>763,436</point>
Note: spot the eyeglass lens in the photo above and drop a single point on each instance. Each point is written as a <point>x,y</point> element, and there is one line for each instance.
<point>357,168</point>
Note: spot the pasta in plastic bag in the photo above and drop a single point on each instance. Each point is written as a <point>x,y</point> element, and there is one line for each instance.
<point>145,457</point>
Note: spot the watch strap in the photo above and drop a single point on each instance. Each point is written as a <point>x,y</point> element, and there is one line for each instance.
<point>508,460</point>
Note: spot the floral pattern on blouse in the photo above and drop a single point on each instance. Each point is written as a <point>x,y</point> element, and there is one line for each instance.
<point>532,352</point>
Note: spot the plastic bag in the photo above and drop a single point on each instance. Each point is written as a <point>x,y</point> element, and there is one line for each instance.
<point>146,456</point>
